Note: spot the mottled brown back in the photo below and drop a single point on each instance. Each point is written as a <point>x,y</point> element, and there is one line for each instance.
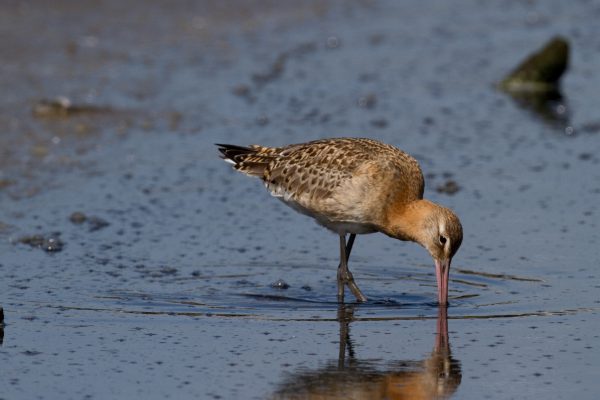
<point>333,177</point>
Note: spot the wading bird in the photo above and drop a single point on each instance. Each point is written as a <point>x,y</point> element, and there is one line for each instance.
<point>355,186</point>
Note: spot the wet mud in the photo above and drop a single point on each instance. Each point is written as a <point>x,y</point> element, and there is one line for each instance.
<point>178,277</point>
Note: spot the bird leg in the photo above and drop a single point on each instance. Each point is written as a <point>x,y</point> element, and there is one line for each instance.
<point>345,251</point>
<point>344,276</point>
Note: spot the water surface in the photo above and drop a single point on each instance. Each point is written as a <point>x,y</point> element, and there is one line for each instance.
<point>165,289</point>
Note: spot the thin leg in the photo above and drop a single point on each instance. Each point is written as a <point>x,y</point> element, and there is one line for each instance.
<point>343,261</point>
<point>344,276</point>
<point>348,250</point>
<point>349,245</point>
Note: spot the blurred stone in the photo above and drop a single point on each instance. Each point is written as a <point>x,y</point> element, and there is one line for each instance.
<point>277,68</point>
<point>58,107</point>
<point>62,107</point>
<point>333,42</point>
<point>379,123</point>
<point>535,83</point>
<point>368,101</point>
<point>39,151</point>
<point>77,218</point>
<point>97,223</point>
<point>93,223</point>
<point>280,284</point>
<point>6,183</point>
<point>49,243</point>
<point>262,120</point>
<point>450,187</point>
<point>175,120</point>
<point>541,71</point>
<point>241,90</point>
<point>590,127</point>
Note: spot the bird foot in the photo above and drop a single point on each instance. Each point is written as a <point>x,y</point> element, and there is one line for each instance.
<point>345,278</point>
<point>360,297</point>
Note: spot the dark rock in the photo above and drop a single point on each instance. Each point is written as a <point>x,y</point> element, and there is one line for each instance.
<point>50,243</point>
<point>94,223</point>
<point>262,120</point>
<point>167,271</point>
<point>333,42</point>
<point>376,39</point>
<point>379,123</point>
<point>62,107</point>
<point>534,84</point>
<point>6,183</point>
<point>368,101</point>
<point>97,223</point>
<point>590,127</point>
<point>277,68</point>
<point>280,284</point>
<point>31,353</point>
<point>77,218</point>
<point>242,91</point>
<point>450,187</point>
<point>541,71</point>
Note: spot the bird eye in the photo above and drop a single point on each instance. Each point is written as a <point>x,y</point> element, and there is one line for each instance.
<point>443,240</point>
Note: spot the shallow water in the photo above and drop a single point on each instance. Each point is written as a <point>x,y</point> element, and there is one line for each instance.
<point>166,287</point>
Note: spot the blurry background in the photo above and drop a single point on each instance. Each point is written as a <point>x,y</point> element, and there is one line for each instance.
<point>159,279</point>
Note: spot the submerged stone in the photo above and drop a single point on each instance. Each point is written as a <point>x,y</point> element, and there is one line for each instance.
<point>97,223</point>
<point>94,223</point>
<point>77,218</point>
<point>49,243</point>
<point>62,107</point>
<point>449,187</point>
<point>280,284</point>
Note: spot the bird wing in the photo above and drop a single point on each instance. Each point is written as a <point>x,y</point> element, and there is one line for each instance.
<point>338,179</point>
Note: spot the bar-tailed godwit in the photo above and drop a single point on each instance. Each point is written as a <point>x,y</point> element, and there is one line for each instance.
<point>356,186</point>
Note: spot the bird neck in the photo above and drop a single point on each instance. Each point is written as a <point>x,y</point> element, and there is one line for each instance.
<point>411,221</point>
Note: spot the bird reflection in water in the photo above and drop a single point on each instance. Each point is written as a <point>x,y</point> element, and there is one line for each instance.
<point>1,326</point>
<point>436,377</point>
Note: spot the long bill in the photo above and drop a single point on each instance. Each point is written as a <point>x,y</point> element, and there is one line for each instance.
<point>442,272</point>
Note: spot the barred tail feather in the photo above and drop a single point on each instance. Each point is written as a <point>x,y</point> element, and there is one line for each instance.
<point>245,159</point>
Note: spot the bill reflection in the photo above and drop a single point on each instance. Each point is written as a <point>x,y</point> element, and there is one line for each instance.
<point>435,377</point>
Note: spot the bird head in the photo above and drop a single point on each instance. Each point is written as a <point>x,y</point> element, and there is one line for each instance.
<point>434,227</point>
<point>442,237</point>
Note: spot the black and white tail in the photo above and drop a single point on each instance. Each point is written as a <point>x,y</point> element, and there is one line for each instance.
<point>252,161</point>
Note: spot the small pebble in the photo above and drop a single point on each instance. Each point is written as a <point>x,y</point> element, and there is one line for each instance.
<point>280,284</point>
<point>450,187</point>
<point>77,218</point>
<point>50,243</point>
<point>96,223</point>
